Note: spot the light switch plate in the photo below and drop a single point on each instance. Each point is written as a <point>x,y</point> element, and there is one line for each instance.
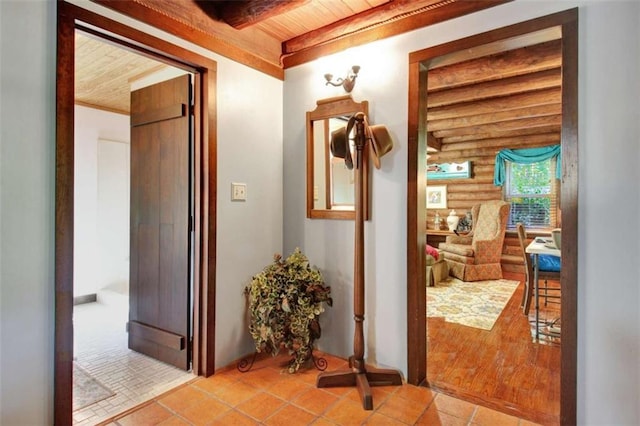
<point>238,191</point>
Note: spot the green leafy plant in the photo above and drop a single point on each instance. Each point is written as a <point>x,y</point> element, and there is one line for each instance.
<point>285,302</point>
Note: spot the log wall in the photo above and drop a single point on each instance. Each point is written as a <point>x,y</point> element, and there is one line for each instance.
<point>463,193</point>
<point>479,104</point>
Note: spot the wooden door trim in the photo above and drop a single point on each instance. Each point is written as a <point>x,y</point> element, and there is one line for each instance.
<point>416,221</point>
<point>70,17</point>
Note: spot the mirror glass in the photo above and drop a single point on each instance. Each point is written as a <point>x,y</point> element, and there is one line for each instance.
<point>330,184</point>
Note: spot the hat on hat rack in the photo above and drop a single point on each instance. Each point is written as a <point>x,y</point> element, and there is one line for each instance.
<point>381,141</point>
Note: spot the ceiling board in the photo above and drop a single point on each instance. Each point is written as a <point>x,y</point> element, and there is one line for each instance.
<point>295,34</point>
<point>505,99</point>
<point>263,45</point>
<point>104,73</point>
<point>311,16</point>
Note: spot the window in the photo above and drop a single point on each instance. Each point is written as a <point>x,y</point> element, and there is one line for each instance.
<point>532,191</point>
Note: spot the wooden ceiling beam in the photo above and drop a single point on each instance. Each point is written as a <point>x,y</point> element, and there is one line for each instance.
<point>508,86</point>
<point>495,117</point>
<point>433,142</point>
<point>505,103</point>
<point>186,20</point>
<point>241,14</point>
<point>542,139</point>
<point>312,45</point>
<point>452,154</point>
<point>496,128</point>
<point>511,63</point>
<point>495,46</point>
<point>506,134</point>
<point>368,18</point>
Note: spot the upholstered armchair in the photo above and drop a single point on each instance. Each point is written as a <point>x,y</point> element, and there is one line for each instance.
<point>476,256</point>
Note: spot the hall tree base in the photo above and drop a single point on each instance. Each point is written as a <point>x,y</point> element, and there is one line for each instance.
<point>362,378</point>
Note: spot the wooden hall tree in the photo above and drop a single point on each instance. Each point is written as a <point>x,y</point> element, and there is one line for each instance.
<point>358,374</point>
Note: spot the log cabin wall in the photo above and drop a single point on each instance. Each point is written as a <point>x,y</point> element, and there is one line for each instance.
<point>498,96</point>
<point>462,194</point>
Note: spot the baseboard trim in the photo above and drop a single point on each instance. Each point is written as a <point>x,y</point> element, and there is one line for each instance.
<point>87,298</point>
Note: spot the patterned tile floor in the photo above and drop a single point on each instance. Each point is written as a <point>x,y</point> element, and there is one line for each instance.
<point>101,350</point>
<point>268,395</point>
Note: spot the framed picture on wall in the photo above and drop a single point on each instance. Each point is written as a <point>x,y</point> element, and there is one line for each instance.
<point>437,197</point>
<point>449,170</point>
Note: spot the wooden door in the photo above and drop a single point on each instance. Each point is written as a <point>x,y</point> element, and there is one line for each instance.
<point>160,284</point>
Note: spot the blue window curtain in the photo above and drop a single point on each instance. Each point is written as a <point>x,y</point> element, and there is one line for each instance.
<point>525,156</point>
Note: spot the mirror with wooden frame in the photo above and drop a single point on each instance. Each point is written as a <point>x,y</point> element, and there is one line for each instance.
<point>330,184</point>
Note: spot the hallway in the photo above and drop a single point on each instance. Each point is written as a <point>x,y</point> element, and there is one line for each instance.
<point>101,351</point>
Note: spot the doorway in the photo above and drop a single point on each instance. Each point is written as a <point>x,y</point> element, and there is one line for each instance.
<point>70,18</point>
<point>108,377</point>
<point>417,217</point>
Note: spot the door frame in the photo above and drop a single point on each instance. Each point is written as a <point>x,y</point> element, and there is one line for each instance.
<point>416,198</point>
<point>70,18</point>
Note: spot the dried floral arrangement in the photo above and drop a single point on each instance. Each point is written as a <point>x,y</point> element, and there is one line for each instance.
<point>285,302</point>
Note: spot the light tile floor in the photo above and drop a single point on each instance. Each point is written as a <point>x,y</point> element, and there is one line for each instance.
<point>100,342</point>
<point>268,395</point>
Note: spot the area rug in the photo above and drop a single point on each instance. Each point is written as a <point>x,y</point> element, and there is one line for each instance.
<point>86,389</point>
<point>475,304</point>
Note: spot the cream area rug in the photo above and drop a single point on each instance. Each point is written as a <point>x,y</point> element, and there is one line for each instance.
<point>475,304</point>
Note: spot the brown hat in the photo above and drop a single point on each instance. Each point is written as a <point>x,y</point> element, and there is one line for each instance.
<point>340,146</point>
<point>381,142</point>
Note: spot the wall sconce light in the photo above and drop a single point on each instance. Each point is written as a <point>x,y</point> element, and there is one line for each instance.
<point>348,82</point>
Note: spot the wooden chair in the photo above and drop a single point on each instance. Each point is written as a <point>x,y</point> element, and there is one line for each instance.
<point>544,275</point>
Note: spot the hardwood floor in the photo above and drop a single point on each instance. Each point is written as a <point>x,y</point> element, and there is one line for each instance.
<point>503,368</point>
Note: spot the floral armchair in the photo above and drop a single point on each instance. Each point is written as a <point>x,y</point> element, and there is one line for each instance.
<point>476,256</point>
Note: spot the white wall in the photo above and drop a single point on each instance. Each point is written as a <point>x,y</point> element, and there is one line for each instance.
<point>101,203</point>
<point>249,107</point>
<point>608,297</point>
<point>249,232</point>
<point>114,170</point>
<point>27,159</point>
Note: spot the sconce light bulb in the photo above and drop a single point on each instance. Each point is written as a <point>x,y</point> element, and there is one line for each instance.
<point>328,77</point>
<point>355,69</point>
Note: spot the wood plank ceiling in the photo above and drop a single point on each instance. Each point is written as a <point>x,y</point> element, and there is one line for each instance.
<point>271,35</point>
<point>267,35</point>
<point>496,97</point>
<point>104,74</point>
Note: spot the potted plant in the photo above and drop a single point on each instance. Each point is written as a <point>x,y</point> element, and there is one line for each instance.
<point>285,301</point>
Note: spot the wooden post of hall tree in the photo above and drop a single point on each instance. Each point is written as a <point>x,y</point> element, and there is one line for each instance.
<point>358,374</point>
